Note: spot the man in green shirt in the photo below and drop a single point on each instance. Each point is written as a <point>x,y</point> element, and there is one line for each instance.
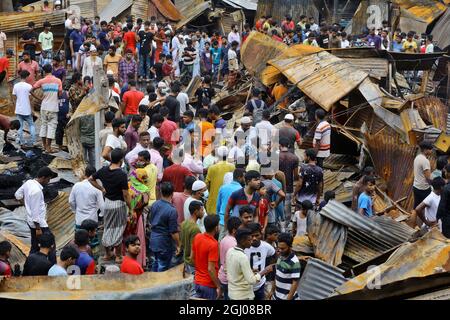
<point>189,229</point>
<point>46,38</point>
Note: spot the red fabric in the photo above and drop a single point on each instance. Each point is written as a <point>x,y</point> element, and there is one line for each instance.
<point>277,38</point>
<point>166,132</point>
<point>131,99</point>
<point>91,268</point>
<point>4,63</point>
<point>263,206</point>
<point>5,269</point>
<point>205,249</point>
<point>176,174</point>
<point>167,69</point>
<point>131,266</point>
<point>130,38</point>
<point>259,25</point>
<point>178,200</point>
<point>116,90</point>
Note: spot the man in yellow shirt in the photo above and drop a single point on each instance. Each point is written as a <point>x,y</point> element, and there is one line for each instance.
<point>410,46</point>
<point>152,173</point>
<point>214,178</point>
<point>279,90</point>
<point>111,61</point>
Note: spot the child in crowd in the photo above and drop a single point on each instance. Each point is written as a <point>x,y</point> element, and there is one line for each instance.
<point>365,201</point>
<point>168,70</point>
<point>299,218</point>
<point>264,207</point>
<point>85,262</point>
<point>5,253</point>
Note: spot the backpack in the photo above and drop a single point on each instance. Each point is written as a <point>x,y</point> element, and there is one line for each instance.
<point>257,112</point>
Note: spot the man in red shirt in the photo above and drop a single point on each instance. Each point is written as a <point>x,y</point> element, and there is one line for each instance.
<point>130,38</point>
<point>131,99</point>
<point>176,174</point>
<point>4,65</point>
<point>169,129</point>
<point>205,256</point>
<point>130,264</point>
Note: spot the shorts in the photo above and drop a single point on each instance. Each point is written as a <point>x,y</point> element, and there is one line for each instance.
<point>49,122</point>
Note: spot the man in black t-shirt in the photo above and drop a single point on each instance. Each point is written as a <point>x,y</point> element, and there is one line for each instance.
<point>30,38</point>
<point>173,104</point>
<point>205,91</point>
<point>145,52</point>
<point>323,40</point>
<point>117,199</point>
<point>310,185</point>
<point>38,263</point>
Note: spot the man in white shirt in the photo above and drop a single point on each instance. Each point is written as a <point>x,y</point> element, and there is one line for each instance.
<point>86,200</point>
<point>241,278</point>
<point>427,209</point>
<point>114,140</point>
<point>30,193</point>
<point>258,253</point>
<point>183,99</point>
<point>265,130</point>
<point>21,96</point>
<point>144,143</point>
<point>234,35</point>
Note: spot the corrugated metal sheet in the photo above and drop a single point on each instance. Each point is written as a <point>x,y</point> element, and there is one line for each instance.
<point>393,160</point>
<point>427,256</point>
<point>327,237</point>
<point>279,8</point>
<point>427,10</point>
<point>183,5</point>
<point>168,9</point>
<point>321,76</point>
<point>433,111</point>
<point>114,9</point>
<point>168,285</point>
<point>319,280</point>
<point>384,232</point>
<point>61,220</point>
<point>362,14</point>
<point>139,9</point>
<point>16,22</point>
<point>246,4</point>
<point>19,251</point>
<point>441,31</point>
<point>257,50</point>
<point>375,67</point>
<point>193,12</point>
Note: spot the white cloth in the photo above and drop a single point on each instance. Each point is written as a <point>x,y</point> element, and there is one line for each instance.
<point>183,99</point>
<point>232,60</point>
<point>22,91</point>
<point>432,204</point>
<point>194,166</point>
<point>227,178</point>
<point>132,156</point>
<point>31,193</point>
<point>265,131</point>
<point>2,41</point>
<point>301,223</point>
<point>234,36</point>
<point>113,142</point>
<point>187,214</point>
<point>154,132</point>
<point>345,44</point>
<point>85,200</point>
<point>90,65</point>
<point>145,101</point>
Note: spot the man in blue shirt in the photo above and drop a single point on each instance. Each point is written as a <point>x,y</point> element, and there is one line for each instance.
<point>164,235</point>
<point>189,125</point>
<point>299,36</point>
<point>365,202</point>
<point>103,36</point>
<point>76,41</point>
<point>225,192</point>
<point>216,54</point>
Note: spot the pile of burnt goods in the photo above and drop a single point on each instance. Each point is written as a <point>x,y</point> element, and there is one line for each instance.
<point>17,166</point>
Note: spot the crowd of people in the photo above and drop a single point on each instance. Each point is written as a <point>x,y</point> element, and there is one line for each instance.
<point>179,183</point>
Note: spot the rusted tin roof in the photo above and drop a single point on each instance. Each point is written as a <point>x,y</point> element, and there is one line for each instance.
<point>149,285</point>
<point>168,9</point>
<point>441,31</point>
<point>279,8</point>
<point>427,10</point>
<point>193,12</point>
<point>319,279</point>
<point>433,111</point>
<point>427,256</point>
<point>114,9</point>
<point>61,220</point>
<point>18,21</point>
<point>327,237</point>
<point>321,76</point>
<point>19,251</point>
<point>393,160</point>
<point>381,230</point>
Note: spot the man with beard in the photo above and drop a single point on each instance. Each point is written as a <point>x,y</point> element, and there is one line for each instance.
<point>144,144</point>
<point>29,65</point>
<point>287,271</point>
<point>111,62</point>
<point>114,140</point>
<point>258,254</point>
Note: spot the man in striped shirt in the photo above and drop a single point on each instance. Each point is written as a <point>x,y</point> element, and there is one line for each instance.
<point>322,137</point>
<point>287,272</point>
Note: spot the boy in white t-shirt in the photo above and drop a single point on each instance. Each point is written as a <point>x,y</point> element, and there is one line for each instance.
<point>427,209</point>
<point>21,95</point>
<point>299,218</point>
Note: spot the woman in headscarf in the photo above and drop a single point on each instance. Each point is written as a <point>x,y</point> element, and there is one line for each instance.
<point>139,193</point>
